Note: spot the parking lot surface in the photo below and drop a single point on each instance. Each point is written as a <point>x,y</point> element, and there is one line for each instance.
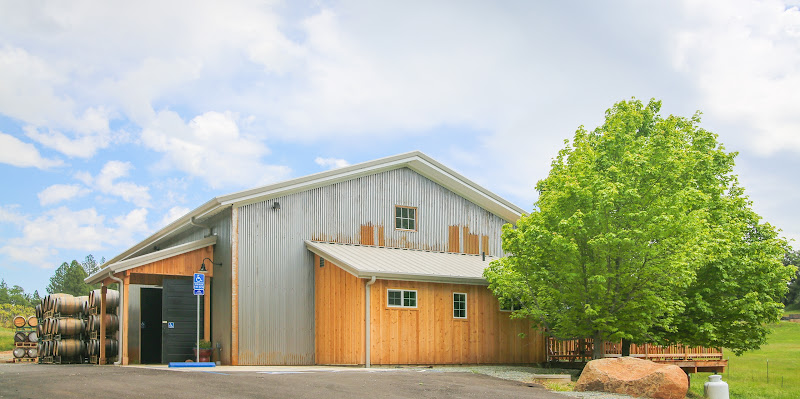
<point>80,381</point>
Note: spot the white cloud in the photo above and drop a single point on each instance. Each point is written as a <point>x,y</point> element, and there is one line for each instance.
<point>63,229</point>
<point>61,192</point>
<point>212,148</point>
<point>331,163</point>
<point>745,59</point>
<point>18,153</point>
<point>106,183</point>
<point>32,91</point>
<point>172,215</point>
<point>9,214</point>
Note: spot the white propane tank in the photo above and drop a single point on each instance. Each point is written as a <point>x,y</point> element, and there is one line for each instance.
<point>715,388</point>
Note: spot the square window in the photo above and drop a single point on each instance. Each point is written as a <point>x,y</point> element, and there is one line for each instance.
<point>459,305</point>
<point>410,299</point>
<point>405,218</point>
<point>394,298</point>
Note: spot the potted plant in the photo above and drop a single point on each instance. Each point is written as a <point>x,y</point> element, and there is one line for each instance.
<point>205,351</point>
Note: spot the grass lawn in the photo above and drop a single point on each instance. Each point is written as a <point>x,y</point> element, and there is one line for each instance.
<point>6,339</point>
<point>746,375</point>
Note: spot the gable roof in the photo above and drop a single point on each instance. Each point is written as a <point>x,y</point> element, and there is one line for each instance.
<point>404,264</point>
<point>415,160</point>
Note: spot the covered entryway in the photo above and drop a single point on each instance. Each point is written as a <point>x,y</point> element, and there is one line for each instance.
<point>165,297</point>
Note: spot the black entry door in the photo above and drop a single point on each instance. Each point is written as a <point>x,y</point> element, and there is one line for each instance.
<point>151,326</point>
<point>179,320</point>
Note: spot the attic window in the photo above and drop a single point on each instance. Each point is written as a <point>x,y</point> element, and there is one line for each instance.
<point>405,218</point>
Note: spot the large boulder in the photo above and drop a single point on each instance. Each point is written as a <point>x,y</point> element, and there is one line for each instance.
<point>634,377</point>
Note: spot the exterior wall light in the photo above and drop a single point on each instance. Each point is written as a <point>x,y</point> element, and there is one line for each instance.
<point>203,265</point>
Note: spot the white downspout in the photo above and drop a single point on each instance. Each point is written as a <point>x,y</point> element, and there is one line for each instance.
<point>367,323</point>
<point>119,317</point>
<point>193,223</point>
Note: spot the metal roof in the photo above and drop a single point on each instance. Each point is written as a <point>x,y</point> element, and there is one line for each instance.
<point>414,160</point>
<point>404,264</point>
<point>150,258</point>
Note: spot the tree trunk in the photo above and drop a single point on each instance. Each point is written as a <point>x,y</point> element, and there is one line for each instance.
<point>599,346</point>
<point>626,347</point>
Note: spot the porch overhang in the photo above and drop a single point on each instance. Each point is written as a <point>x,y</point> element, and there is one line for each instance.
<point>404,264</point>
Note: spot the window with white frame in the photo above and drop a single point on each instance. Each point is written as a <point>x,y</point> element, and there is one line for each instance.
<point>405,218</point>
<point>401,298</point>
<point>459,305</point>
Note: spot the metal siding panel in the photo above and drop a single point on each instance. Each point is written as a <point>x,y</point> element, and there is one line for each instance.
<point>276,278</point>
<point>133,301</point>
<point>221,284</point>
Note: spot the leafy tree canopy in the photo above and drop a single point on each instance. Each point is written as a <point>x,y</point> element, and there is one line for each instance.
<point>792,298</point>
<point>68,278</point>
<point>630,215</point>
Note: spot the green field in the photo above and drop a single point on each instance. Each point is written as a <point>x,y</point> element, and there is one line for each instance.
<point>746,375</point>
<point>6,339</point>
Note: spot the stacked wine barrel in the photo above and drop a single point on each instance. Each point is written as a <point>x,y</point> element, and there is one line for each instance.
<point>93,326</point>
<point>26,339</point>
<point>62,331</point>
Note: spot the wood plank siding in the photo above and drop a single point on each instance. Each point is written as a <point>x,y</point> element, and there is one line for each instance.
<point>427,334</point>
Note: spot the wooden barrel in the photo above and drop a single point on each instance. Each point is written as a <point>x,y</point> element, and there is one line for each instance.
<point>47,302</point>
<point>68,326</point>
<point>19,321</point>
<point>112,299</point>
<point>49,347</point>
<point>20,336</point>
<point>112,323</point>
<point>33,337</point>
<point>38,310</point>
<point>40,329</point>
<point>111,347</point>
<point>68,305</point>
<point>33,352</point>
<point>69,347</point>
<point>33,321</point>
<point>19,352</point>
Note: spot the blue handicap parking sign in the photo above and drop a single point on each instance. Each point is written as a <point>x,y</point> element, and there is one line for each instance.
<point>199,292</point>
<point>199,278</point>
<point>171,325</point>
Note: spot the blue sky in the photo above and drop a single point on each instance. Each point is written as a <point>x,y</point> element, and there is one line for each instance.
<point>117,117</point>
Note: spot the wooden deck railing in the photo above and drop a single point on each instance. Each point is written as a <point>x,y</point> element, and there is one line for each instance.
<point>580,350</point>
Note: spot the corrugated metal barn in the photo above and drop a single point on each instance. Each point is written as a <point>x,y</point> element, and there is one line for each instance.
<point>356,265</point>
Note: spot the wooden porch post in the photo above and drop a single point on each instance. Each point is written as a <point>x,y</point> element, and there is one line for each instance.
<point>103,291</point>
<point>126,280</point>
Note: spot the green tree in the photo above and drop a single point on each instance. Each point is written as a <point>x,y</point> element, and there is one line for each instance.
<point>626,216</point>
<point>792,298</point>
<point>68,279</point>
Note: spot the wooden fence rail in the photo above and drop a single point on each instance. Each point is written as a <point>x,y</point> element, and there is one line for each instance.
<point>580,350</point>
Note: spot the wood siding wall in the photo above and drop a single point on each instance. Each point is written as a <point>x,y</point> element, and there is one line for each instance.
<point>339,315</point>
<point>427,334</point>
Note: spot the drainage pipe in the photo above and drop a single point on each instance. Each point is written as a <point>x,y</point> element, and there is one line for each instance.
<point>193,223</point>
<point>122,298</point>
<point>367,323</point>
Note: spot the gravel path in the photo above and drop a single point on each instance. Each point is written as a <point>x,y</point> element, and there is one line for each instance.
<point>526,374</point>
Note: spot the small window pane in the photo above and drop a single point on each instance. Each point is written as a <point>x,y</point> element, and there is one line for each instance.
<point>411,224</point>
<point>409,298</point>
<point>398,212</point>
<point>410,213</point>
<point>394,298</point>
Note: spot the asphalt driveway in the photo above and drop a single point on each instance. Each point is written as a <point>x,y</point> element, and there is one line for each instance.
<point>80,381</point>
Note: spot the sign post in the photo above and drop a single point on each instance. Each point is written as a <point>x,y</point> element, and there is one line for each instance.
<point>199,287</point>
